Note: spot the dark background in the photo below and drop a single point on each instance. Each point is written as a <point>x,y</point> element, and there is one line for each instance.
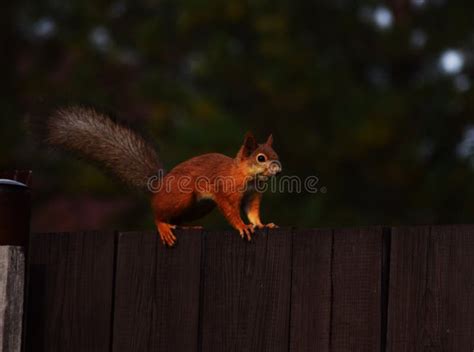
<point>374,98</point>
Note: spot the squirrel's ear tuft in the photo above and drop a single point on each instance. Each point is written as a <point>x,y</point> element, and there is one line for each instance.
<point>249,146</point>
<point>269,141</point>
<point>250,143</point>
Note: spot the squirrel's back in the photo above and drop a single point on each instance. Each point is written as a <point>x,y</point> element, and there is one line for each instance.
<point>95,137</point>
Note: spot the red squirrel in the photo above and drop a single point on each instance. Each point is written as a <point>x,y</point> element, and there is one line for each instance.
<point>186,193</point>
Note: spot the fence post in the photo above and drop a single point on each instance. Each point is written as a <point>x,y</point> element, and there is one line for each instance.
<point>12,278</point>
<point>15,209</point>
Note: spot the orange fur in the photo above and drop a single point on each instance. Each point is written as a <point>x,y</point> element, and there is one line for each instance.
<point>96,137</point>
<point>171,205</point>
<point>252,209</point>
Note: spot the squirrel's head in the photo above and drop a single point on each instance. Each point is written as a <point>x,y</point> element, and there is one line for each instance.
<point>259,160</point>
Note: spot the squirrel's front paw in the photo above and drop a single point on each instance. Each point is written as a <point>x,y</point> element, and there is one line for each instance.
<point>166,233</point>
<point>247,231</point>
<point>270,225</point>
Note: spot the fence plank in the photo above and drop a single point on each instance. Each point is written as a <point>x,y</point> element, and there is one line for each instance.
<point>12,283</point>
<point>311,291</point>
<point>431,292</point>
<point>157,293</point>
<point>356,285</point>
<point>70,292</point>
<point>246,292</point>
<point>231,295</point>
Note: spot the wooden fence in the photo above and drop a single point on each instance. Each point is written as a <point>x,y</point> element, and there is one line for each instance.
<point>370,289</point>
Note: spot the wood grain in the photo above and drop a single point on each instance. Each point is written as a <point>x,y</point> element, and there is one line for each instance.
<point>311,291</point>
<point>12,285</point>
<point>246,292</point>
<point>356,285</point>
<point>70,292</point>
<point>157,293</point>
<point>431,298</point>
<point>305,290</point>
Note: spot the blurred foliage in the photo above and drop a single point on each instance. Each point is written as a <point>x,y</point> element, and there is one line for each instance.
<point>354,92</point>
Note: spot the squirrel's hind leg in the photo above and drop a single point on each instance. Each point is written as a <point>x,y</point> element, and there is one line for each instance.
<point>166,233</point>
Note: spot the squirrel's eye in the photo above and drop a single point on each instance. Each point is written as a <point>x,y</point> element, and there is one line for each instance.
<point>261,158</point>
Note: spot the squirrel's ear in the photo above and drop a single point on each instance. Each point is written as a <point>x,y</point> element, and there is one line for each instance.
<point>269,141</point>
<point>249,145</point>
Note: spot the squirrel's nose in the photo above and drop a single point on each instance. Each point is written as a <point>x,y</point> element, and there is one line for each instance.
<point>275,168</point>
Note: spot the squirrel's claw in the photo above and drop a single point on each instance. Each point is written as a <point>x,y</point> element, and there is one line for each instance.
<point>270,225</point>
<point>247,231</point>
<point>168,238</point>
<point>166,234</point>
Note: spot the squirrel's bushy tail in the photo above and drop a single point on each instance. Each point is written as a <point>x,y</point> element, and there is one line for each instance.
<point>94,136</point>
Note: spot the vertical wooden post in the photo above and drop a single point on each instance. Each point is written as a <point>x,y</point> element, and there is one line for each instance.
<point>15,209</point>
<point>12,284</point>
